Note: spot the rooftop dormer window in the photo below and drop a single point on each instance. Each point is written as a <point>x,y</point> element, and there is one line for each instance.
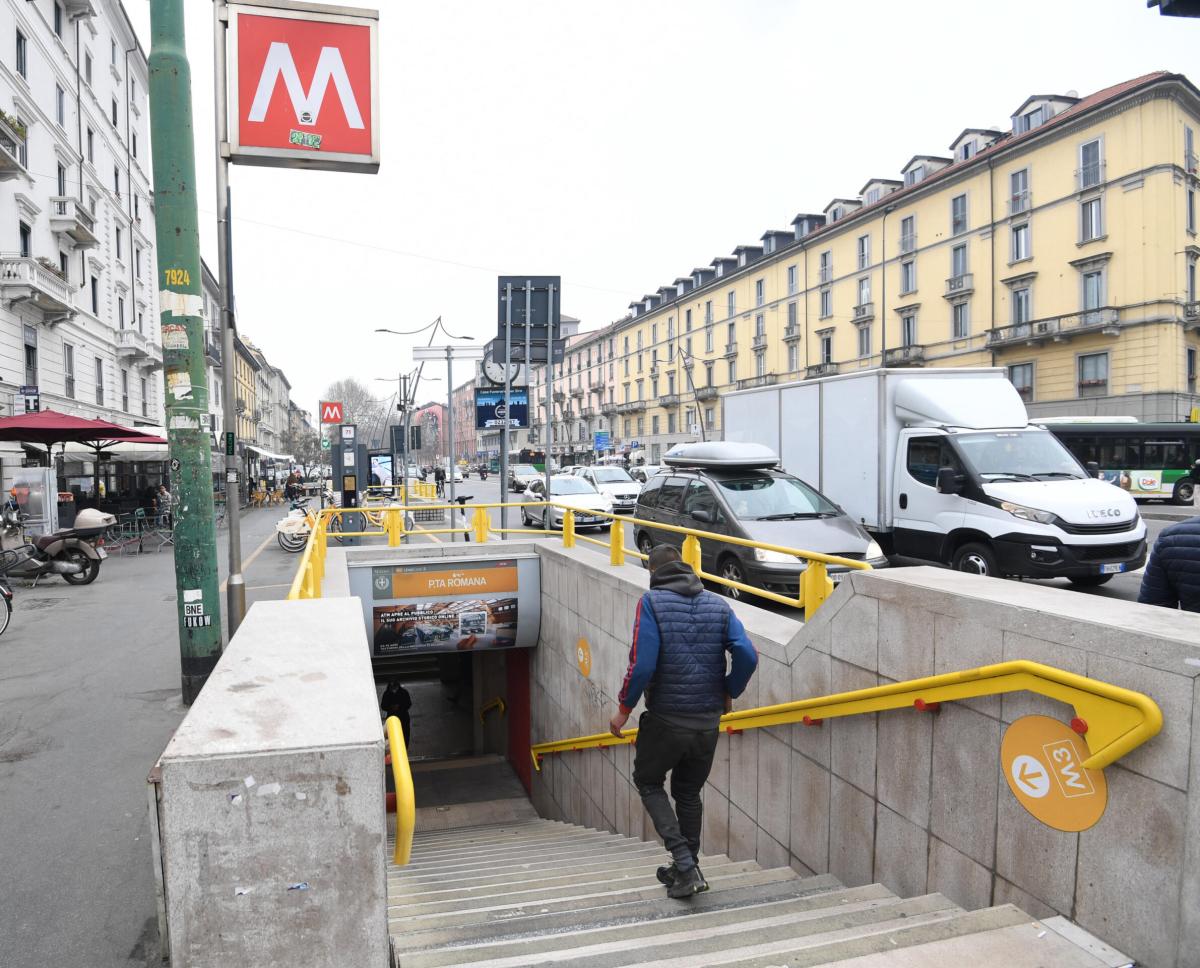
<point>769,244</point>
<point>872,196</point>
<point>836,213</point>
<point>966,150</point>
<point>914,175</point>
<point>1029,120</point>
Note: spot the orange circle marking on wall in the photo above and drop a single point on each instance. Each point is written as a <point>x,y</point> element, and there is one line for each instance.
<point>1042,760</point>
<point>583,656</point>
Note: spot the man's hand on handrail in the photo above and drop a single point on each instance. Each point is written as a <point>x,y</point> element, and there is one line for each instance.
<point>617,723</point>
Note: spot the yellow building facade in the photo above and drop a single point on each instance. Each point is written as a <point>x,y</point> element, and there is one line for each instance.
<point>1064,249</point>
<point>246,373</point>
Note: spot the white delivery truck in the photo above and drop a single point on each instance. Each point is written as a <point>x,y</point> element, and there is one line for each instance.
<point>943,465</point>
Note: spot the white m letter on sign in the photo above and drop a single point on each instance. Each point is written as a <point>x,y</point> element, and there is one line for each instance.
<point>307,105</point>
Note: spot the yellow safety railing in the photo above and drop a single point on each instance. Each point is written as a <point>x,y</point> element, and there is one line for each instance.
<point>815,586</point>
<point>406,801</point>
<point>497,703</point>
<point>1112,720</point>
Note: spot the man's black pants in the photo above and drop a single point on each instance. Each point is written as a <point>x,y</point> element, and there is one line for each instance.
<point>687,754</point>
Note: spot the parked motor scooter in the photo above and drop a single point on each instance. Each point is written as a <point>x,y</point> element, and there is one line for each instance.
<point>74,553</point>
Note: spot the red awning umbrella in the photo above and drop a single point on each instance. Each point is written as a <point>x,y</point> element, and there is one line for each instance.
<point>50,427</point>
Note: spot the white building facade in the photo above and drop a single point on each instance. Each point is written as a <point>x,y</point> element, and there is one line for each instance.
<point>78,274</point>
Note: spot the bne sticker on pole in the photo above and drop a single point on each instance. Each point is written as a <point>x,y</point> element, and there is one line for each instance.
<point>1042,760</point>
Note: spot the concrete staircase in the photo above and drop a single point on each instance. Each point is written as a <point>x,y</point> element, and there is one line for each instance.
<point>549,893</point>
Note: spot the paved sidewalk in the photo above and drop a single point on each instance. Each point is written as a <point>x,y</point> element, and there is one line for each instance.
<point>89,696</point>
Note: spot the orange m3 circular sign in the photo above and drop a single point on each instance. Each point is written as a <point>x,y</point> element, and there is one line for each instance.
<point>303,85</point>
<point>1042,761</point>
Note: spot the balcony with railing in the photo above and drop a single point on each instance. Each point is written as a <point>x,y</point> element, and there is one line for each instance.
<point>766,380</point>
<point>864,312</point>
<point>131,345</point>
<point>791,332</point>
<point>559,396</point>
<point>632,406</point>
<point>669,400</point>
<point>960,285</point>
<point>11,145</point>
<point>759,342</point>
<point>587,412</point>
<point>707,393</point>
<point>913,355</point>
<point>731,349</point>
<point>1105,320</point>
<point>577,391</point>
<point>1191,315</point>
<point>1019,202</point>
<point>212,349</point>
<point>820,369</point>
<point>609,408</point>
<point>596,383</point>
<point>68,216</point>
<point>1089,176</point>
<point>568,414</point>
<point>37,283</point>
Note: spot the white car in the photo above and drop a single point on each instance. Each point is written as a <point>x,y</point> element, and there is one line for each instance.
<point>575,493</point>
<point>616,483</point>
<point>457,474</point>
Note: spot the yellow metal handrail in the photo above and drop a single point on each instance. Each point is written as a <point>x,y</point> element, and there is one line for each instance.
<point>1113,720</point>
<point>406,800</point>
<point>814,586</point>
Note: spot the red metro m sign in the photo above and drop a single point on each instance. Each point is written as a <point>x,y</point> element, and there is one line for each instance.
<point>303,85</point>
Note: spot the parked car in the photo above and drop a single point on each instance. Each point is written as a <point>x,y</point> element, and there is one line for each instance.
<point>739,490</point>
<point>520,476</point>
<point>576,494</point>
<point>616,483</point>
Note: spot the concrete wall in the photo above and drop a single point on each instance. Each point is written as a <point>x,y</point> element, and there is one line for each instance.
<point>913,800</point>
<point>273,832</point>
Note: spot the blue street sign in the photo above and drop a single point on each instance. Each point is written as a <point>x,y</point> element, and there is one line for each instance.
<point>601,440</point>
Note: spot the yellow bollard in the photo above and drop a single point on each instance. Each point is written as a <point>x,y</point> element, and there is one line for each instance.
<point>481,524</point>
<point>691,552</point>
<point>391,524</point>
<point>815,587</point>
<point>568,528</point>
<point>616,542</point>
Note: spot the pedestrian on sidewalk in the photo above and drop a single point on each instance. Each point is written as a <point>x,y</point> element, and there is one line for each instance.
<point>681,634</point>
<point>1172,575</point>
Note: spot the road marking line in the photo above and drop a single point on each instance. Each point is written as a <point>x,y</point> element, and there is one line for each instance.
<point>249,561</point>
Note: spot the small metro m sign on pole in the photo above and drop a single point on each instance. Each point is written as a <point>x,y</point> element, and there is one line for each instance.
<point>331,412</point>
<point>303,85</point>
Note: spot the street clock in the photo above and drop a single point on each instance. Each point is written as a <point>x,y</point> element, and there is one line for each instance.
<point>493,370</point>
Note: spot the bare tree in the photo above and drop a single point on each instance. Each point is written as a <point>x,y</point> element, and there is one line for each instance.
<point>360,408</point>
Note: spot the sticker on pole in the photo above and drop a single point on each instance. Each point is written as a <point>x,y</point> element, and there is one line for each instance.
<point>1042,760</point>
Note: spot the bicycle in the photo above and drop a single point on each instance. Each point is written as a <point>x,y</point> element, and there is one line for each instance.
<point>292,532</point>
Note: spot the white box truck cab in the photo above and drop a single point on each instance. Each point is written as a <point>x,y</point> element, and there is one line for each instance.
<point>943,465</point>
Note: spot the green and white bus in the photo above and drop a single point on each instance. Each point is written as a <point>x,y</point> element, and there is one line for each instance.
<point>1149,460</point>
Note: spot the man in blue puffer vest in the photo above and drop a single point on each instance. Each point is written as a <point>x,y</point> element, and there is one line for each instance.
<point>681,634</point>
<point>1172,575</point>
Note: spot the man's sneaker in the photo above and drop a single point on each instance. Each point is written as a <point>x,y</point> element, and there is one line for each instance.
<point>687,883</point>
<point>667,875</point>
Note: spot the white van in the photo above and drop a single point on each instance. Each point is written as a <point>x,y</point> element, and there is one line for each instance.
<point>943,465</point>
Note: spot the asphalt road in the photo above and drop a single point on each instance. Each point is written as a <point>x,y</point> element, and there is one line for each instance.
<point>89,696</point>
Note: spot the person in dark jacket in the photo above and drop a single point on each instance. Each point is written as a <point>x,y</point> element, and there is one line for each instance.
<point>681,635</point>
<point>397,702</point>
<point>1172,576</point>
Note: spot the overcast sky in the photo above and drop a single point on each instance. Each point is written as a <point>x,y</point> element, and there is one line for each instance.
<point>619,144</point>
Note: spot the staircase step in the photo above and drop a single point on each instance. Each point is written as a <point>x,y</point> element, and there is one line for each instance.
<point>1109,956</point>
<point>1027,945</point>
<point>836,946</point>
<point>559,851</point>
<point>500,897</point>
<point>490,848</point>
<point>657,909</point>
<point>591,867</point>
<point>595,943</point>
<point>435,837</point>
<point>706,944</point>
<point>400,921</point>
<point>452,816</point>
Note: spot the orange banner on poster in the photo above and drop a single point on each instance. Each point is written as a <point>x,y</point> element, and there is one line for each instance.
<point>478,581</point>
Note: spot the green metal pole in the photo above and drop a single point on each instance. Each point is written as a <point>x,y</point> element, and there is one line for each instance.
<point>181,305</point>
